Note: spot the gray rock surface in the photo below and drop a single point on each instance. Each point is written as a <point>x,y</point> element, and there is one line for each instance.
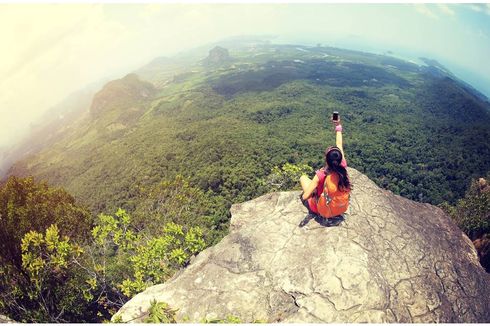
<point>5,320</point>
<point>391,260</point>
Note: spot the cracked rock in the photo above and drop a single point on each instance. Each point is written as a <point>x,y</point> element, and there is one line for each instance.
<point>391,261</point>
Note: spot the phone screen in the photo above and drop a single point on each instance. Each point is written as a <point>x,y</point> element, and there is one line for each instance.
<point>335,115</point>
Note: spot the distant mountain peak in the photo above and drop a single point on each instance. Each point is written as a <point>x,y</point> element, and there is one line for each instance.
<point>120,94</point>
<point>217,55</point>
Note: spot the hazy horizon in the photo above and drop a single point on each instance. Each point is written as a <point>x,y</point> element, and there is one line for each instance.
<point>55,50</point>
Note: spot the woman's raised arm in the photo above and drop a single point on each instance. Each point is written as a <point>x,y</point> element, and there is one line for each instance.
<point>338,136</point>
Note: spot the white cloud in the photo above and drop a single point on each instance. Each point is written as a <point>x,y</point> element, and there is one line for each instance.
<point>445,9</point>
<point>480,7</point>
<point>424,10</point>
<point>476,7</point>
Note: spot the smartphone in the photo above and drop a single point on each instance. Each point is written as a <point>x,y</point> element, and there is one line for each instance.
<point>335,116</point>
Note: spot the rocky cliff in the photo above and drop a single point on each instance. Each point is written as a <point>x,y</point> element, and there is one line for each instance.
<point>391,260</point>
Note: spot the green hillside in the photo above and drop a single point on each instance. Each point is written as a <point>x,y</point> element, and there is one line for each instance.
<point>421,134</point>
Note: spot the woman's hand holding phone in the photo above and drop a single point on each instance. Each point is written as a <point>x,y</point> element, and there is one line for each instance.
<point>336,118</point>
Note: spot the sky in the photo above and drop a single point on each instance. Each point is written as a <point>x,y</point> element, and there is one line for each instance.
<point>51,50</point>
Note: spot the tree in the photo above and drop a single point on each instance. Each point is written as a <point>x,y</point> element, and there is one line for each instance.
<point>39,276</point>
<point>26,205</point>
<point>46,276</point>
<point>179,202</point>
<point>472,213</point>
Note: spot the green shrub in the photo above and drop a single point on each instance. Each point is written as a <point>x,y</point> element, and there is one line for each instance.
<point>134,261</point>
<point>160,313</point>
<point>287,177</point>
<point>51,286</point>
<point>156,260</point>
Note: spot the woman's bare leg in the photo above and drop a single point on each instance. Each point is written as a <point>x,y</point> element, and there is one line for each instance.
<point>304,181</point>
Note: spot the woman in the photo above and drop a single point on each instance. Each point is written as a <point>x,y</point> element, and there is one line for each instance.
<point>339,185</point>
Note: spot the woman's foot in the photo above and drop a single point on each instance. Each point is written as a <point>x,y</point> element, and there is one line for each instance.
<point>307,218</point>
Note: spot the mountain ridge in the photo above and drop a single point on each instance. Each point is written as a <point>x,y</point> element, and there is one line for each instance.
<point>266,95</point>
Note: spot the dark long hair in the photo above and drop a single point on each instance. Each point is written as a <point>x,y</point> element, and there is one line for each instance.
<point>333,158</point>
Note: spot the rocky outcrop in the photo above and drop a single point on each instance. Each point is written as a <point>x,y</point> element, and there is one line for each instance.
<point>217,56</point>
<point>391,260</point>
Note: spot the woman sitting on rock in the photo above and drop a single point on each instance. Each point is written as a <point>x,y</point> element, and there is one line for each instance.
<point>327,196</point>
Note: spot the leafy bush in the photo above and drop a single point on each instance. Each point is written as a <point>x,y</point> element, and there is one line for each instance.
<point>51,285</point>
<point>155,260</point>
<point>46,276</point>
<point>40,274</point>
<point>62,282</point>
<point>287,177</point>
<point>125,261</point>
<point>160,313</point>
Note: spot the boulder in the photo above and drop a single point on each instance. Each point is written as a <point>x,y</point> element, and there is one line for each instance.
<point>392,260</point>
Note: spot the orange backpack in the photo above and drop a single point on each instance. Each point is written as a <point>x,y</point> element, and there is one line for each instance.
<point>332,201</point>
